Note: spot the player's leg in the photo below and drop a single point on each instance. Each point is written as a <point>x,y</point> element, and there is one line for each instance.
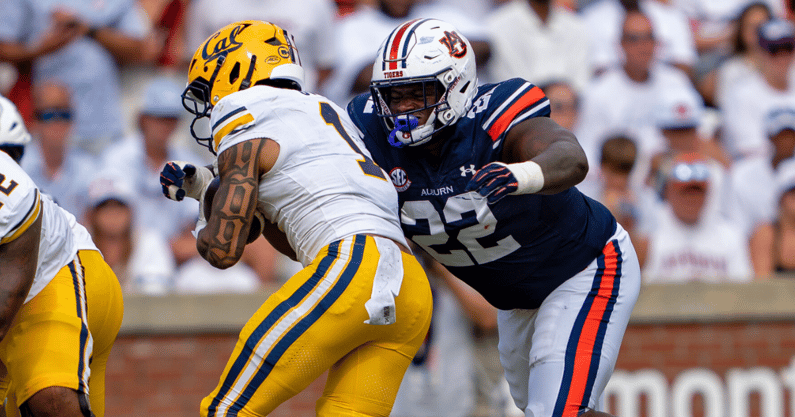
<point>6,394</point>
<point>516,329</point>
<point>49,346</point>
<point>56,402</point>
<point>578,333</point>
<point>311,322</point>
<point>106,308</point>
<point>366,381</point>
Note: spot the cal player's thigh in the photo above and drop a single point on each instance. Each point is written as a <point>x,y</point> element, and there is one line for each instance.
<point>312,321</point>
<point>578,333</point>
<point>365,382</point>
<point>49,343</point>
<point>106,308</point>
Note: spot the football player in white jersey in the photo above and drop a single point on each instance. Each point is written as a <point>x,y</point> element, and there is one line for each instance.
<point>361,306</point>
<point>54,352</point>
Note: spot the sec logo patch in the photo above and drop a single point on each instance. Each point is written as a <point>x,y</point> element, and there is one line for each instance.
<point>399,179</point>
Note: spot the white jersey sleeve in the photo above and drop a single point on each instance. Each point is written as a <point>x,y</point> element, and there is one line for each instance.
<point>21,204</point>
<point>20,201</point>
<point>324,185</point>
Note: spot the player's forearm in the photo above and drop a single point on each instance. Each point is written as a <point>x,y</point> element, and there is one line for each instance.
<point>17,52</point>
<point>125,48</point>
<point>222,240</point>
<point>219,252</point>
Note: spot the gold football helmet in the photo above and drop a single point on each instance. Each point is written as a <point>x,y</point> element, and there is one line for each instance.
<point>235,58</point>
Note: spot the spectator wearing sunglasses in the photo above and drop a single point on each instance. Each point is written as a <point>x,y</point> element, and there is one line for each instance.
<point>564,103</point>
<point>688,242</point>
<point>59,168</point>
<point>750,102</point>
<point>625,99</point>
<point>681,119</point>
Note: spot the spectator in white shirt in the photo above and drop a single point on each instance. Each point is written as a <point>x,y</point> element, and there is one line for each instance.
<point>625,99</point>
<point>539,41</point>
<point>773,243</point>
<point>140,257</point>
<point>749,103</point>
<point>675,42</point>
<point>744,56</point>
<point>687,242</point>
<point>753,197</point>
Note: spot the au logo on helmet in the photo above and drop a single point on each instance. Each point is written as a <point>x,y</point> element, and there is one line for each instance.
<point>224,45</point>
<point>452,40</point>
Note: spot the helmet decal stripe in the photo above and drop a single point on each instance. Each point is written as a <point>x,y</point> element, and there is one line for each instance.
<point>385,53</point>
<point>395,47</point>
<point>406,39</point>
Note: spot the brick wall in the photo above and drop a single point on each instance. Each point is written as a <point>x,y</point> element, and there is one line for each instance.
<point>167,376</point>
<point>171,352</point>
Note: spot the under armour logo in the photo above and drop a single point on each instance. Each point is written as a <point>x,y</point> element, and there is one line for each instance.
<point>465,170</point>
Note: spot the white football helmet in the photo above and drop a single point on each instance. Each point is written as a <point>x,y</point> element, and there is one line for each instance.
<point>433,53</point>
<point>13,133</point>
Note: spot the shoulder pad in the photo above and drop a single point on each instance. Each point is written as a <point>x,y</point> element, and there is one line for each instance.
<point>509,102</point>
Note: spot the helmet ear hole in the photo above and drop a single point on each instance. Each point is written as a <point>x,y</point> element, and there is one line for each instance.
<point>235,73</point>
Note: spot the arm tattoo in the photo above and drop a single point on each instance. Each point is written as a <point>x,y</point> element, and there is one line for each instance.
<point>234,204</point>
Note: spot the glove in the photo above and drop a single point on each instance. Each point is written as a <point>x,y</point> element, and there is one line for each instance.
<point>496,180</point>
<point>180,179</point>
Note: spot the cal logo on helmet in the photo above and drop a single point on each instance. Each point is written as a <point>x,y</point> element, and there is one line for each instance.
<point>224,45</point>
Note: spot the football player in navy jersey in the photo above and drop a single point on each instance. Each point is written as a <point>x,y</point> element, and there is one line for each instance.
<point>485,181</point>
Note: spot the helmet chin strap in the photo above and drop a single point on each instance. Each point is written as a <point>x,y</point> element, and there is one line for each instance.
<point>246,83</point>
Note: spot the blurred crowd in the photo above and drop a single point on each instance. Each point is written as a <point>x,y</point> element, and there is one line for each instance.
<point>685,108</point>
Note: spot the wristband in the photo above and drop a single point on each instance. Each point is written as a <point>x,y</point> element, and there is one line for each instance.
<point>195,185</point>
<point>529,177</point>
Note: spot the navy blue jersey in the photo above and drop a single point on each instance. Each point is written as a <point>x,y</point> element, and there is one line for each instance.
<point>514,252</point>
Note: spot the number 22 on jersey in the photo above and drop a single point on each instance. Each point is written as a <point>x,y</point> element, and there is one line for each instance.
<point>453,211</point>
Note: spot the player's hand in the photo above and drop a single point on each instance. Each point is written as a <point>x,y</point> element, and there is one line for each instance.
<point>494,181</point>
<point>179,179</point>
